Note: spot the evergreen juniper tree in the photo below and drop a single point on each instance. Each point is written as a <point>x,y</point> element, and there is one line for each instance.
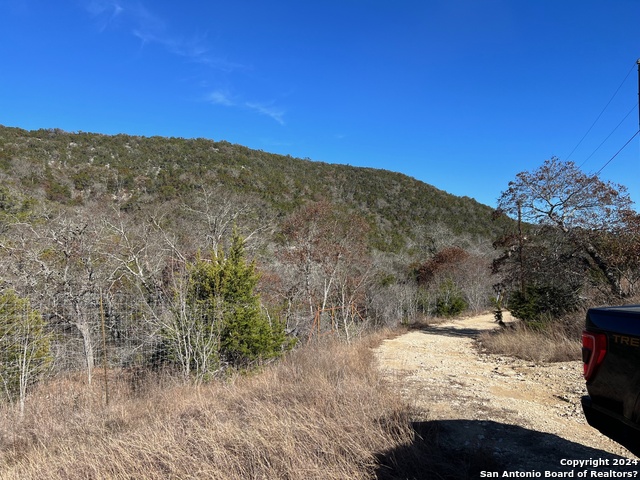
<point>247,335</point>
<point>221,319</point>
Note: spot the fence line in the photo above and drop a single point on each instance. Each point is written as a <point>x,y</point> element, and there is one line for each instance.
<point>103,339</point>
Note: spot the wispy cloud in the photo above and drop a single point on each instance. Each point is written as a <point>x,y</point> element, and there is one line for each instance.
<point>147,26</point>
<point>225,99</point>
<point>104,11</point>
<point>150,28</point>
<point>99,7</point>
<point>268,110</point>
<point>219,97</point>
<point>193,48</point>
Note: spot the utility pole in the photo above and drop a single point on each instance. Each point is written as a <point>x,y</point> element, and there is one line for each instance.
<point>638,62</point>
<point>520,249</point>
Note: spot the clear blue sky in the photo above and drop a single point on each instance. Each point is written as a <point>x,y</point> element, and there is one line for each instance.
<point>461,94</point>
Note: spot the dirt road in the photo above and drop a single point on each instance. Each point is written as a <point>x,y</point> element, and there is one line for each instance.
<point>527,416</point>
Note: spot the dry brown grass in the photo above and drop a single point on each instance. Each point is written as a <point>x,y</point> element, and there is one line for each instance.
<point>521,342</point>
<point>322,412</point>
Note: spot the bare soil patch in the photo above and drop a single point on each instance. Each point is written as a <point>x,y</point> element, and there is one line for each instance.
<point>526,416</point>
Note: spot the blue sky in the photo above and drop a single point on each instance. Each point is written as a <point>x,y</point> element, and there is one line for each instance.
<point>461,94</point>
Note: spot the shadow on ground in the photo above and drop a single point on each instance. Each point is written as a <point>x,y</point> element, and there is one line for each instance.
<point>470,449</point>
<point>454,332</point>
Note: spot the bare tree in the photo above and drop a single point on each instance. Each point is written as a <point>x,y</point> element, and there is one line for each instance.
<point>215,212</point>
<point>24,346</point>
<point>193,343</point>
<point>327,254</point>
<point>581,207</point>
<point>53,258</point>
<point>71,249</point>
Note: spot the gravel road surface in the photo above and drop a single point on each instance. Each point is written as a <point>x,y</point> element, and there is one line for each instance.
<point>527,416</point>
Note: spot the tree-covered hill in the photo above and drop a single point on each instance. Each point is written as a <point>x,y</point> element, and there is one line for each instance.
<point>132,171</point>
<point>135,246</point>
<point>140,243</point>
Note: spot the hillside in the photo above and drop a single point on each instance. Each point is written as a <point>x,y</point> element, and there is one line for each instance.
<point>132,171</point>
<point>197,258</point>
<point>88,219</point>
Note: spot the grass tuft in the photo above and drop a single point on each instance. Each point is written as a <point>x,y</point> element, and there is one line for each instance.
<point>551,345</point>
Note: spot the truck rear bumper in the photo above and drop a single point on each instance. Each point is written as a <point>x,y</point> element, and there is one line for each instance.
<point>612,425</point>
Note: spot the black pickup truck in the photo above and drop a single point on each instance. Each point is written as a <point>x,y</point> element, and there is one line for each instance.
<point>611,357</point>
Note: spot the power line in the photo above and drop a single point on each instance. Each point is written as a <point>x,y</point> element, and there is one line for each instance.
<point>616,154</point>
<point>632,137</point>
<point>594,177</point>
<point>607,137</point>
<point>603,110</point>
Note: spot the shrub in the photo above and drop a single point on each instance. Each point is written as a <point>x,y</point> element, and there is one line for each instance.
<point>24,346</point>
<point>541,304</point>
<point>450,300</point>
<point>219,317</point>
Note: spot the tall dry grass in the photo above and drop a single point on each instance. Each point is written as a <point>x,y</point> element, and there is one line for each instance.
<point>551,345</point>
<point>322,412</point>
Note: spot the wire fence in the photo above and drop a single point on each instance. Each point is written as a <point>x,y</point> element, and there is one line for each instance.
<point>101,338</point>
<point>81,337</point>
<point>118,331</point>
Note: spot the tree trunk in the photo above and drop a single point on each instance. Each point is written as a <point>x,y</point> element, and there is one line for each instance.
<point>85,331</point>
<point>601,263</point>
<point>612,278</point>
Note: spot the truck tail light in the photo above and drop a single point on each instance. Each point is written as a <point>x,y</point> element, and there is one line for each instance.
<point>594,349</point>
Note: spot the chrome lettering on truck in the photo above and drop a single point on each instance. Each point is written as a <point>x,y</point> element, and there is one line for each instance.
<point>625,340</point>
